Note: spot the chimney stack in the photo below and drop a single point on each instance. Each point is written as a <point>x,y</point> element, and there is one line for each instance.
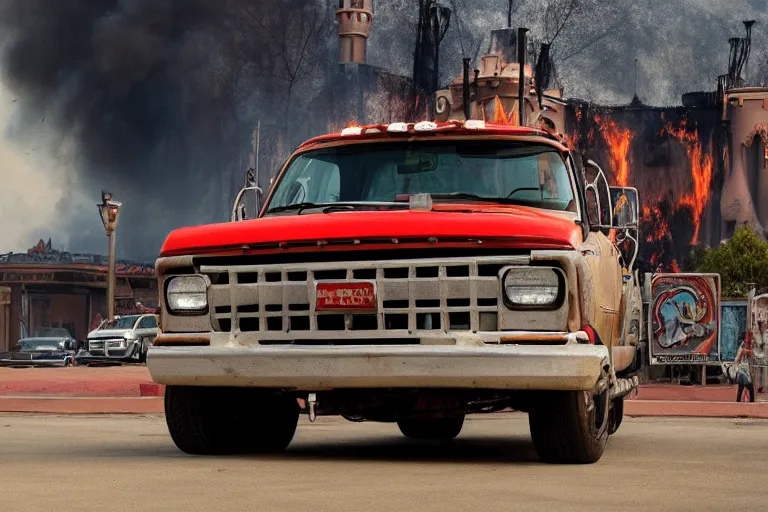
<point>354,24</point>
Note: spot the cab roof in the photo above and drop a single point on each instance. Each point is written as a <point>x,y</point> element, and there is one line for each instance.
<point>393,130</point>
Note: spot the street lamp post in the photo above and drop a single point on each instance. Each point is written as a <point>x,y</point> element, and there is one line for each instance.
<point>108,210</point>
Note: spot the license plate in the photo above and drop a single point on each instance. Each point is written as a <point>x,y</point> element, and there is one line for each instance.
<point>347,296</point>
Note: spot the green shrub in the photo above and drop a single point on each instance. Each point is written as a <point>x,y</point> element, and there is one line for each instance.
<point>741,260</point>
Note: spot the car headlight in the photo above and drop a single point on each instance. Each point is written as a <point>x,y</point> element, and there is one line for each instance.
<point>532,287</point>
<point>187,294</point>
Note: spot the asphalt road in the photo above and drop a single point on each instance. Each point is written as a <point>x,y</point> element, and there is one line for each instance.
<point>129,463</point>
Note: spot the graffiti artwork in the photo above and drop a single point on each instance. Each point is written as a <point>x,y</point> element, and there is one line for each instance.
<point>733,325</point>
<point>685,318</point>
<point>759,328</point>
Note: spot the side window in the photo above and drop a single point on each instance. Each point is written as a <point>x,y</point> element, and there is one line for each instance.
<point>148,322</point>
<point>317,182</point>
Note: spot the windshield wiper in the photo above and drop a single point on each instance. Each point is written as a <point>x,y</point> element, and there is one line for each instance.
<point>329,207</point>
<point>473,197</point>
<point>299,207</point>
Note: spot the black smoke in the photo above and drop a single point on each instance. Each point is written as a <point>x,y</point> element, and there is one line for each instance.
<point>161,97</point>
<point>156,100</point>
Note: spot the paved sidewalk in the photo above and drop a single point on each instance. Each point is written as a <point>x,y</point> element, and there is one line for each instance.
<point>129,389</point>
<point>710,393</point>
<point>113,381</point>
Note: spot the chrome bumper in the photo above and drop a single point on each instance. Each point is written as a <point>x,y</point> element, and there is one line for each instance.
<point>516,367</point>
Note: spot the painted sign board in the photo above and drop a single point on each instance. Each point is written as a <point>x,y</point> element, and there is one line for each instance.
<point>684,317</point>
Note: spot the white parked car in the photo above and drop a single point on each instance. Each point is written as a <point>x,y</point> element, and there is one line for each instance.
<point>124,339</point>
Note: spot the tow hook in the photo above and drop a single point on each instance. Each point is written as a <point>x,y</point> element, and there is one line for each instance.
<point>311,403</point>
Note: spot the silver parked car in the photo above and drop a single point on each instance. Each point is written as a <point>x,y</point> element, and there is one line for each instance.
<point>124,339</point>
<point>50,346</point>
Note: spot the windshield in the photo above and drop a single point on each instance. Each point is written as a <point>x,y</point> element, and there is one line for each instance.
<point>30,344</point>
<point>51,332</point>
<point>124,322</point>
<point>504,172</point>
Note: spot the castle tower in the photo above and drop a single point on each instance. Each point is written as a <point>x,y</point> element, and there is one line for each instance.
<point>354,19</point>
<point>744,198</point>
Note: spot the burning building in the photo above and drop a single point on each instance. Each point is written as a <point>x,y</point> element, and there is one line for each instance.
<point>45,287</point>
<point>700,168</point>
<point>668,154</point>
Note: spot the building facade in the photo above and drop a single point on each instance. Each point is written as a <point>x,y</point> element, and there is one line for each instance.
<point>48,288</point>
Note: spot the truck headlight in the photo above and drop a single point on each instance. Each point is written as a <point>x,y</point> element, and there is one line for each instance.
<point>187,294</point>
<point>531,287</point>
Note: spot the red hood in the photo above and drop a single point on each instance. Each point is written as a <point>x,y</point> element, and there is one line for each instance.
<point>514,226</point>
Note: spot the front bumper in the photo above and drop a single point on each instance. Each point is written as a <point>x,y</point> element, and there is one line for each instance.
<point>111,354</point>
<point>573,366</point>
<point>37,363</point>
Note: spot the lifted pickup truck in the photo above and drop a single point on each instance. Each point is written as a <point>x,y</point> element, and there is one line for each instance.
<point>411,274</point>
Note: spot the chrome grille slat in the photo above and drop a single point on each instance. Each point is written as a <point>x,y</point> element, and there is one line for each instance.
<point>442,289</point>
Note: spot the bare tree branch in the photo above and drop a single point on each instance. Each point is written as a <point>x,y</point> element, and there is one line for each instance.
<point>609,31</point>
<point>557,15</point>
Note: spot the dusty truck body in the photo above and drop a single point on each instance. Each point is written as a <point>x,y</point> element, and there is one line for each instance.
<point>409,273</point>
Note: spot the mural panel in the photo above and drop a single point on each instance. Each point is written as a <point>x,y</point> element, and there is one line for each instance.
<point>760,329</point>
<point>733,324</point>
<point>685,318</point>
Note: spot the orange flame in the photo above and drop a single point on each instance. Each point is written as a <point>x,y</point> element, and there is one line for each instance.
<point>651,216</point>
<point>619,140</point>
<point>702,166</point>
<point>499,114</point>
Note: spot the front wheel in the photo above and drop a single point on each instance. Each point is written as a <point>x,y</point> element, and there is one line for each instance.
<point>616,415</point>
<point>572,427</point>
<point>436,429</point>
<point>220,421</point>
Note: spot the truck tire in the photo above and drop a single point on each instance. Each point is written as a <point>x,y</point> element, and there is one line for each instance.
<point>571,427</point>
<point>616,415</point>
<point>435,429</point>
<point>224,421</point>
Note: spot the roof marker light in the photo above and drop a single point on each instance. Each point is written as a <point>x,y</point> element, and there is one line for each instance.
<point>420,202</point>
<point>474,124</point>
<point>425,126</point>
<point>372,130</point>
<point>398,128</point>
<point>352,130</point>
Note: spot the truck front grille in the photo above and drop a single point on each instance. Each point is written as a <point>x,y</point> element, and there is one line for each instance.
<point>412,296</point>
<point>96,347</point>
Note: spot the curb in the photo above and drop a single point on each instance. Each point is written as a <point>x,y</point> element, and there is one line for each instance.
<point>151,389</point>
<point>82,405</point>
<point>694,409</point>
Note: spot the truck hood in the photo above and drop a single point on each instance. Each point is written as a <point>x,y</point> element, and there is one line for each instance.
<point>516,226</point>
<point>108,333</point>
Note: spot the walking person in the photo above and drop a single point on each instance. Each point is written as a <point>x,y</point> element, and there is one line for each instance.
<point>743,368</point>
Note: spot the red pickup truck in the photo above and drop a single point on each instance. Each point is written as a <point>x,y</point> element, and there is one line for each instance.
<point>408,273</point>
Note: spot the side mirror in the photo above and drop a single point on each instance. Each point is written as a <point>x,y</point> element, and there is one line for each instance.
<point>240,209</point>
<point>626,207</point>
<point>599,204</point>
